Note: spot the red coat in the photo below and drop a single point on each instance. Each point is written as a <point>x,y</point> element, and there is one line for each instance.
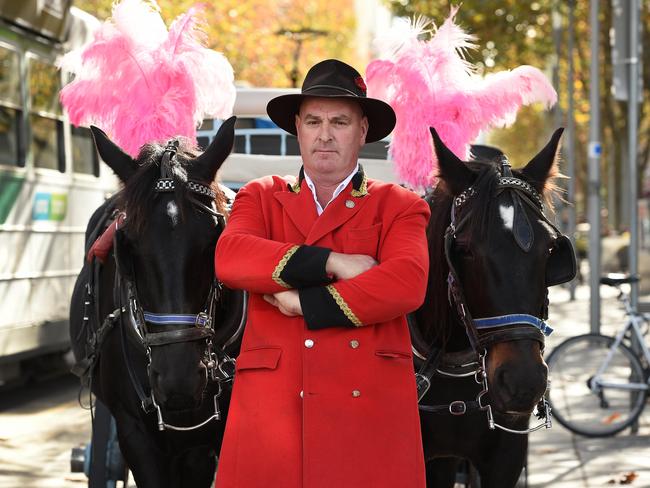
<point>325,400</point>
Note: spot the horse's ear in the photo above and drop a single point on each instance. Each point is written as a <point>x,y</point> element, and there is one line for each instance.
<point>120,162</point>
<point>208,163</point>
<point>544,165</point>
<point>452,170</point>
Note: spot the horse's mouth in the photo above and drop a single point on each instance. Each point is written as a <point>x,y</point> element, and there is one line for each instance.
<point>180,405</point>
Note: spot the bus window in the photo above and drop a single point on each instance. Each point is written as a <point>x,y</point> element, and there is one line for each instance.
<point>46,142</point>
<point>84,156</point>
<point>207,125</point>
<point>10,108</point>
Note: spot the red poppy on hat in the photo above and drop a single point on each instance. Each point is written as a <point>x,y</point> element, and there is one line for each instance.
<point>360,83</point>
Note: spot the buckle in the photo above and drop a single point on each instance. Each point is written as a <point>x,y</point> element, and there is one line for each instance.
<point>227,369</point>
<point>203,320</point>
<point>422,384</point>
<point>457,407</point>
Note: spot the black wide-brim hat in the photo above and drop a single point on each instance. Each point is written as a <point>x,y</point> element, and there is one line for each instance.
<point>334,79</point>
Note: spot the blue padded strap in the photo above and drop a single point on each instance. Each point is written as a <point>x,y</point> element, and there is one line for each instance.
<point>511,319</point>
<point>167,319</point>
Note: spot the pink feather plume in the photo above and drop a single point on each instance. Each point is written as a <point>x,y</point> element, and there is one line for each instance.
<point>430,84</point>
<point>141,83</point>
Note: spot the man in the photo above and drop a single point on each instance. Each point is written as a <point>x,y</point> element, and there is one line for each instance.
<point>325,394</point>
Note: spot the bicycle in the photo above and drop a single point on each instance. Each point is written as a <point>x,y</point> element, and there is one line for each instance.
<point>599,384</point>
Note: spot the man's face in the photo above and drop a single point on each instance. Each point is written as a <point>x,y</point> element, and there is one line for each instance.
<point>330,134</point>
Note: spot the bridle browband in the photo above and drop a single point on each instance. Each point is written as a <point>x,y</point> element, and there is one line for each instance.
<point>219,365</point>
<point>484,332</point>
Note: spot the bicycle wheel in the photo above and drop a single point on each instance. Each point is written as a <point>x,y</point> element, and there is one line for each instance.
<point>609,409</point>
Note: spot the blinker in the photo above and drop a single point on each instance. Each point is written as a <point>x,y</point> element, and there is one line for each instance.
<point>561,266</point>
<point>521,228</point>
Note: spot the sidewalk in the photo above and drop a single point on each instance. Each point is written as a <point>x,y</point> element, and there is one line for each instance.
<point>559,459</point>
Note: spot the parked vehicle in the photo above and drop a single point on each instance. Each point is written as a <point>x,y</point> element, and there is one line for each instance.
<point>50,182</point>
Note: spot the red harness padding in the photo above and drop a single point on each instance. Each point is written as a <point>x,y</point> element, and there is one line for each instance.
<point>104,243</point>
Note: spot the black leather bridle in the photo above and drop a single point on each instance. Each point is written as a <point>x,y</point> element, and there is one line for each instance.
<point>484,332</point>
<point>200,326</point>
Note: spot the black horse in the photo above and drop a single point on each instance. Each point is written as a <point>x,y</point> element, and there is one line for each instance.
<point>151,328</point>
<point>493,254</point>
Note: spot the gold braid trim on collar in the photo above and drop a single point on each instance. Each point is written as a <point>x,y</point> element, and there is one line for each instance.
<point>363,187</point>
<point>295,188</point>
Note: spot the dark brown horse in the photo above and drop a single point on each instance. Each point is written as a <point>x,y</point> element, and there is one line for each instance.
<point>152,329</point>
<point>493,254</point>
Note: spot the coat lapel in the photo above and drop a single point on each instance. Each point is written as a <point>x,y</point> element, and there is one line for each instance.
<point>298,205</point>
<point>342,209</point>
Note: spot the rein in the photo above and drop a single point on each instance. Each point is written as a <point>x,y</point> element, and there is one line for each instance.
<point>486,331</point>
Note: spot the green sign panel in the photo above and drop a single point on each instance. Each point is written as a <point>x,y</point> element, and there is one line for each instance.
<point>10,186</point>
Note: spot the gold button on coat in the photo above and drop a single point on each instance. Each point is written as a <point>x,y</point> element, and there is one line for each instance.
<point>354,344</point>
<point>356,393</point>
<point>309,343</point>
<point>349,203</point>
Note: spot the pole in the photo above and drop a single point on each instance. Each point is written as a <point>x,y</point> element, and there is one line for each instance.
<point>557,41</point>
<point>570,141</point>
<point>594,154</point>
<point>632,121</point>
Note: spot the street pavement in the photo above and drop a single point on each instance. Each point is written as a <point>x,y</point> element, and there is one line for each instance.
<point>38,427</point>
<point>559,459</point>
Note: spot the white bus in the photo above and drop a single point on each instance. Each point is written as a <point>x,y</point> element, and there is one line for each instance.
<point>50,181</point>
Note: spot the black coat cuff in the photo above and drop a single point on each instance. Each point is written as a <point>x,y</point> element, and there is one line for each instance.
<point>306,267</point>
<point>323,307</point>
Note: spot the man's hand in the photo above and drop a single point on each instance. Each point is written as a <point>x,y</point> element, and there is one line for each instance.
<point>346,266</point>
<point>288,302</point>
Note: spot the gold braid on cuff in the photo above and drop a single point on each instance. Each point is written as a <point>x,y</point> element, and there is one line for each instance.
<point>343,306</point>
<point>280,267</point>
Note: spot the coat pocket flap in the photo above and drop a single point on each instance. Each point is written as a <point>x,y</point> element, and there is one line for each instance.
<point>393,354</point>
<point>364,233</point>
<point>262,358</point>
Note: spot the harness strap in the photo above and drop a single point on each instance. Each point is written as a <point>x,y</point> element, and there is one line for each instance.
<point>427,370</point>
<point>456,408</point>
<point>170,318</point>
<point>455,290</point>
<point>146,401</point>
<point>176,336</point>
<point>514,333</point>
<point>512,319</point>
<point>83,368</point>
